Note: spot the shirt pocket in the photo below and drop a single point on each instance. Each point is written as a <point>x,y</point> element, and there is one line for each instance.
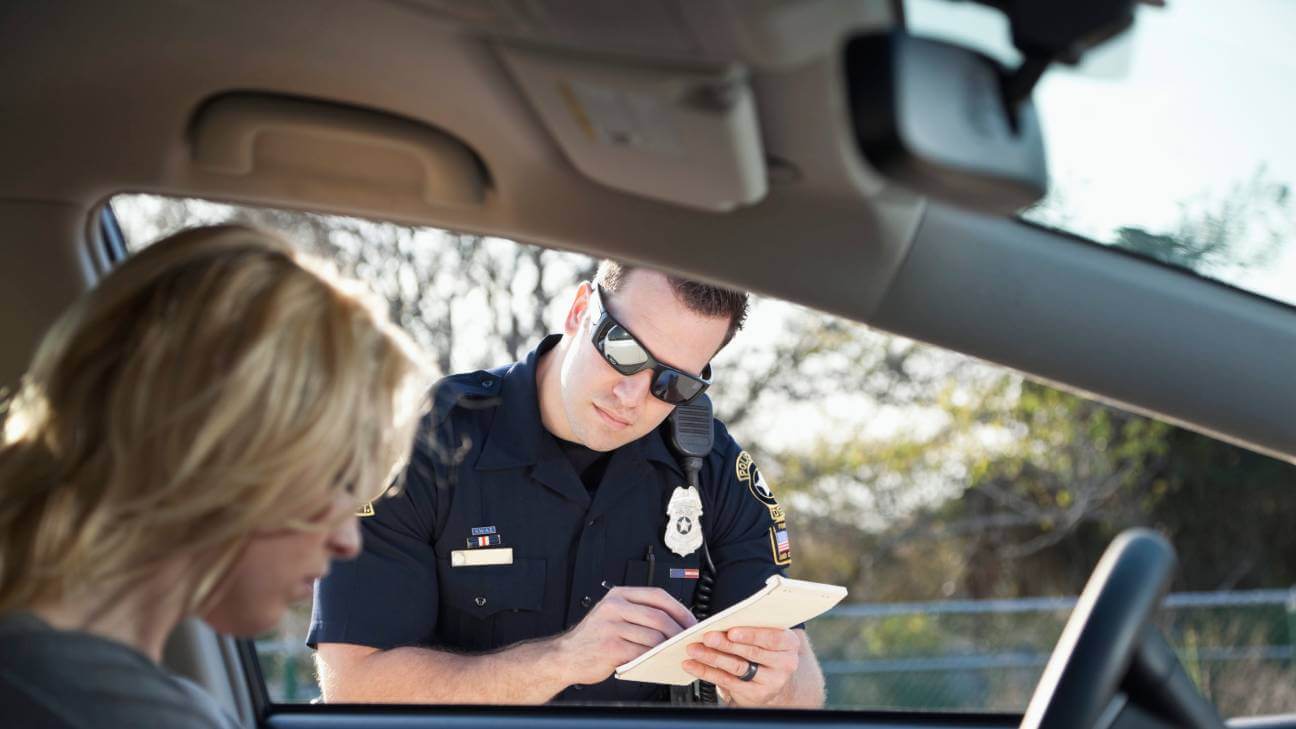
<point>676,575</point>
<point>491,606</point>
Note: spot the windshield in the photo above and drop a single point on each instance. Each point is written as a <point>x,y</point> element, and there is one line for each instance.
<point>962,505</point>
<point>1172,141</point>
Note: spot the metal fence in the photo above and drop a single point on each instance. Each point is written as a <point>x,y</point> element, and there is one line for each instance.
<point>987,655</point>
<point>983,655</point>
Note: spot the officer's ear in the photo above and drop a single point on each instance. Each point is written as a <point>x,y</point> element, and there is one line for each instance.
<point>576,312</point>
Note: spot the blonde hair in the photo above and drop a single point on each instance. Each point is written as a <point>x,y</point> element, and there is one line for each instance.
<point>215,385</point>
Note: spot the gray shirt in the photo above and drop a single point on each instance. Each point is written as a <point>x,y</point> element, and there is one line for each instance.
<point>66,679</point>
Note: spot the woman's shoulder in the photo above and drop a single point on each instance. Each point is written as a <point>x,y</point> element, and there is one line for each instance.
<point>68,678</point>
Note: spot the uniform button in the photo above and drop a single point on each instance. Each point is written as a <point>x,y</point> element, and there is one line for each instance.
<point>586,601</point>
<point>592,522</point>
<point>487,383</point>
<point>481,601</point>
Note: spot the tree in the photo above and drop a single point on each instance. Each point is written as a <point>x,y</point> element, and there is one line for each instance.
<point>470,301</point>
<point>1021,487</point>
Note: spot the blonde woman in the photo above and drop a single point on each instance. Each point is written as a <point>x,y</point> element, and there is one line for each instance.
<point>192,439</point>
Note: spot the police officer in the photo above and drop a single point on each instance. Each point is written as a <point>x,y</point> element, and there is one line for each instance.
<point>542,537</point>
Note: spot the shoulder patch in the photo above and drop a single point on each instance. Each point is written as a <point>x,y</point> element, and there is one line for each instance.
<point>780,547</point>
<point>780,544</point>
<point>743,466</point>
<point>749,474</point>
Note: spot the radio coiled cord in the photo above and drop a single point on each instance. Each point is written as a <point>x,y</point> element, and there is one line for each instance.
<point>704,690</point>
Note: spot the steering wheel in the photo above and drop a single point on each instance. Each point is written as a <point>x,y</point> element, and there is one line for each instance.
<point>1105,633</point>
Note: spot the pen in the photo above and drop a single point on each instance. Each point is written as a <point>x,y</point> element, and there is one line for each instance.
<point>652,565</point>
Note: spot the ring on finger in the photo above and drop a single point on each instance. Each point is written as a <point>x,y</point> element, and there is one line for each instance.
<point>750,673</point>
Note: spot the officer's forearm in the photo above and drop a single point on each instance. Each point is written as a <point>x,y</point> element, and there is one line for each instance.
<point>522,674</point>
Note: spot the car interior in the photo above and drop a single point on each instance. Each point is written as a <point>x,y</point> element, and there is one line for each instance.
<point>813,151</point>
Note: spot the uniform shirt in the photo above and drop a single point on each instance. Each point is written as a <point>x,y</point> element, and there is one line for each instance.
<point>588,463</point>
<point>487,475</point>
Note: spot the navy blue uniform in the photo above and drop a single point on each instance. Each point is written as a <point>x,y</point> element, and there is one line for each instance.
<point>486,475</point>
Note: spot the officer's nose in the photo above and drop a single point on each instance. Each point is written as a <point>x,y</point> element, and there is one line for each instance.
<point>344,540</point>
<point>630,391</point>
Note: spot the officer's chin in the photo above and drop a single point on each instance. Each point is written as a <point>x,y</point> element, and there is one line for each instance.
<point>607,441</point>
<point>606,444</point>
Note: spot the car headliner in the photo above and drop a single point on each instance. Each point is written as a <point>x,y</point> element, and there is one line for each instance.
<point>101,98</point>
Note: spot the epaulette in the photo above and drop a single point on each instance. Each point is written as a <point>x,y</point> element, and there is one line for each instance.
<point>471,390</point>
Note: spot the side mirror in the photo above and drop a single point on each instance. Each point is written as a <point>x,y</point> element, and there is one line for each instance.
<point>935,118</point>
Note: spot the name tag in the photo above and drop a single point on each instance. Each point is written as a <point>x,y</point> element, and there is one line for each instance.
<point>479,557</point>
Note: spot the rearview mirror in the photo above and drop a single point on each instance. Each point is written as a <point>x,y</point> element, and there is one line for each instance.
<point>933,117</point>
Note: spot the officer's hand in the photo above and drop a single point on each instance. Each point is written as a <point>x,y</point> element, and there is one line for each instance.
<point>624,624</point>
<point>722,657</point>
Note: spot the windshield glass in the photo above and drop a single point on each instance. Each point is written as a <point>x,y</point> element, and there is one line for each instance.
<point>1172,141</point>
<point>962,505</point>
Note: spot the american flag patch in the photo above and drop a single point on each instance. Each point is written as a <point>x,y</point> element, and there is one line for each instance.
<point>479,531</point>
<point>483,541</point>
<point>780,546</point>
<point>683,574</point>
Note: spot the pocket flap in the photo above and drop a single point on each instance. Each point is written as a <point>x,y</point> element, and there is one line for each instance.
<point>482,591</point>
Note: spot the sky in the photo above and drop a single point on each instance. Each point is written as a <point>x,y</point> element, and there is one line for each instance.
<point>1191,102</point>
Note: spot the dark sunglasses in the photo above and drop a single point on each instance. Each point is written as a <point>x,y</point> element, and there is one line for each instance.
<point>627,356</point>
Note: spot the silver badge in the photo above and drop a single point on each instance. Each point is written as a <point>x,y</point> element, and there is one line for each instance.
<point>684,521</point>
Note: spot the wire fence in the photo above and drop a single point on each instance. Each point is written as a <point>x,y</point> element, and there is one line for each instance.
<point>987,655</point>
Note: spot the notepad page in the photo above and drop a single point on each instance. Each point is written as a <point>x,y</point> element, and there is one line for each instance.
<point>781,603</point>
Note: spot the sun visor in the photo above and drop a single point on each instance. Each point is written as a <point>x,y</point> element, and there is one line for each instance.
<point>687,137</point>
<point>316,151</point>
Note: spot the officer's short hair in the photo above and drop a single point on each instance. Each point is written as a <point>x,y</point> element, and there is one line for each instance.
<point>216,385</point>
<point>700,298</point>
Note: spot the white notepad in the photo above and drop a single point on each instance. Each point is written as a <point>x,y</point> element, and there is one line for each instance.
<point>781,603</point>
